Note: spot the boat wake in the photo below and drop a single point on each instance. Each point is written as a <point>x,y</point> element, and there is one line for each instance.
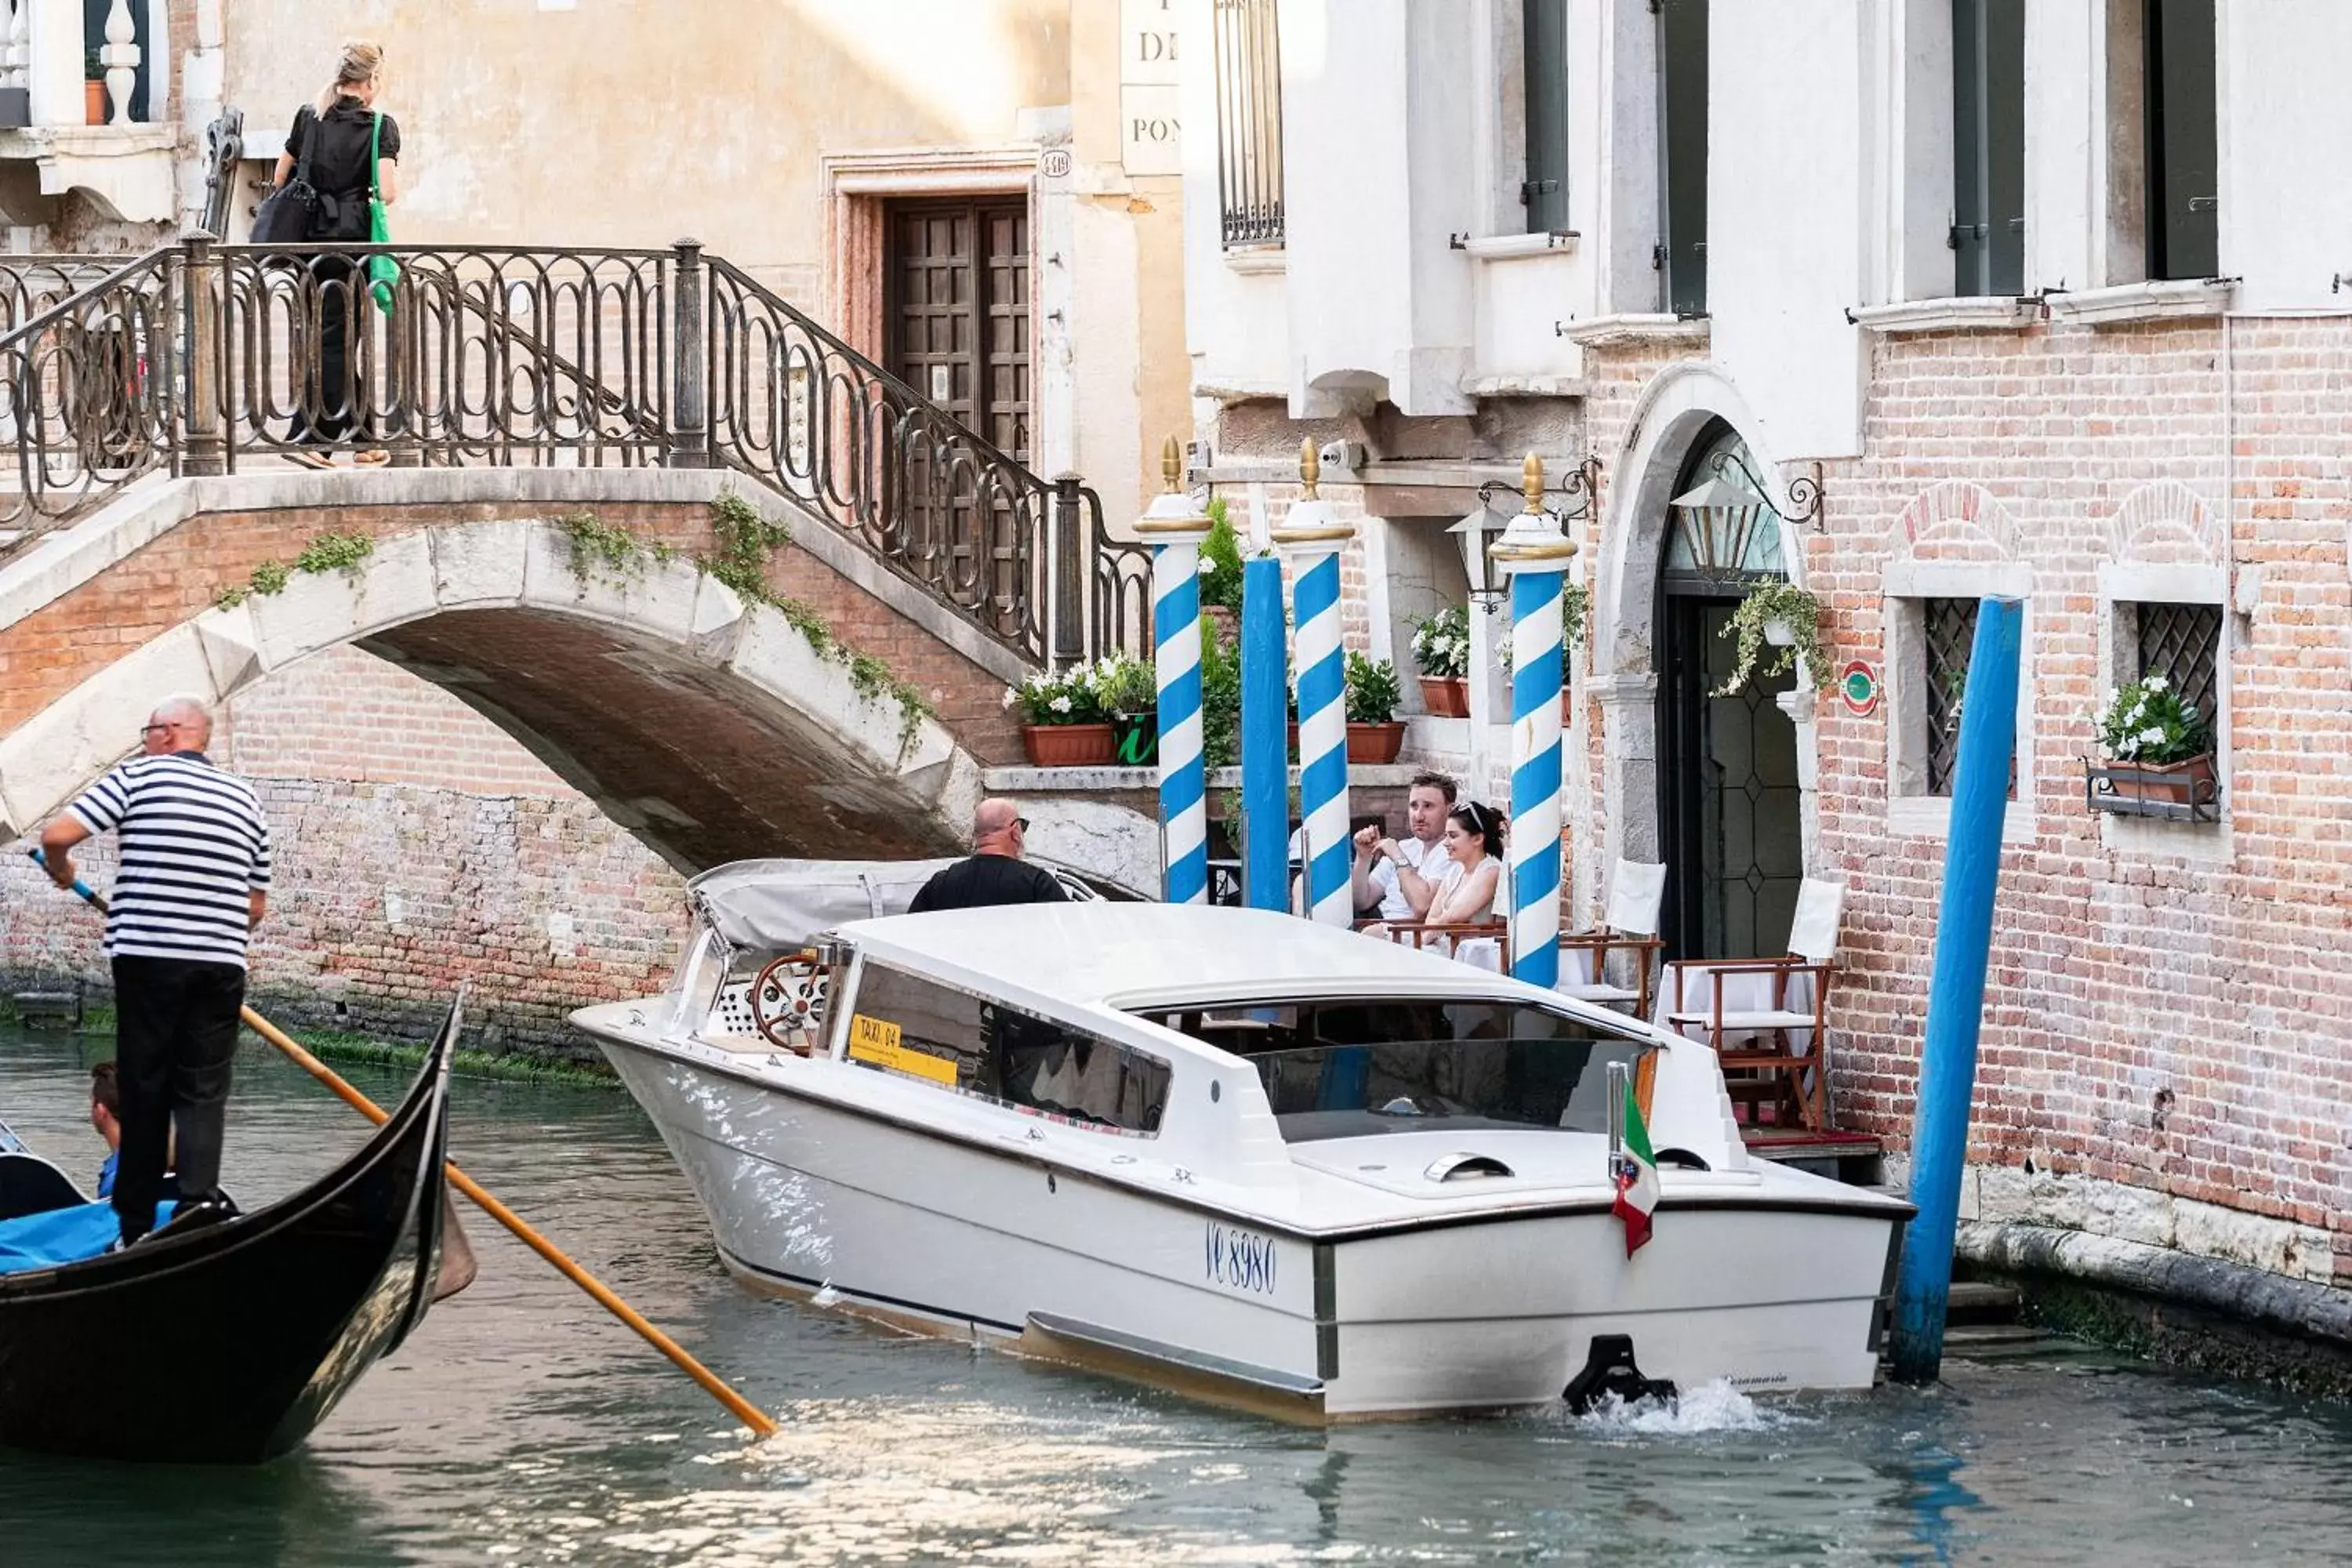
<point>1710,1406</point>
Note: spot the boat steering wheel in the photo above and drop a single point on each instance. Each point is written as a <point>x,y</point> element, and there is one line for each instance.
<point>786,1000</point>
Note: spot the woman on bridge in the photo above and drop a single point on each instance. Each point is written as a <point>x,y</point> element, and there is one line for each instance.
<point>337,136</point>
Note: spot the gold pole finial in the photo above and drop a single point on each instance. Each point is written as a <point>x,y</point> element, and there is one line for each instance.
<point>1531,481</point>
<point>1172,466</point>
<point>1310,468</point>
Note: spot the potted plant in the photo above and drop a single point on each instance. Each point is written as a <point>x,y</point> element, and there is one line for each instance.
<point>1127,690</point>
<point>1441,652</point>
<point>1375,734</point>
<point>1572,599</point>
<point>1221,571</point>
<point>1786,619</point>
<point>93,89</point>
<point>1062,720</point>
<point>2159,751</point>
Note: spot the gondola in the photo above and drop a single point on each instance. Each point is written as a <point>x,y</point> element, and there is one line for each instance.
<point>229,1344</point>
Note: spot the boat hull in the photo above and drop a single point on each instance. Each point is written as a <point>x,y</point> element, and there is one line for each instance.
<point>229,1346</point>
<point>1459,1311</point>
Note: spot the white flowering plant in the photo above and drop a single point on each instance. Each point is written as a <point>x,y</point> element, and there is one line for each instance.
<point>2147,722</point>
<point>1440,644</point>
<point>1071,697</point>
<point>1124,684</point>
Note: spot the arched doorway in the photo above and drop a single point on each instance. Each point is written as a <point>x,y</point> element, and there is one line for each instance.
<point>1729,805</point>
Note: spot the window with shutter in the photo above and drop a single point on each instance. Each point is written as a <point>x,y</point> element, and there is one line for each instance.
<point>1543,58</point>
<point>2183,156</point>
<point>1988,146</point>
<point>1681,114</point>
<point>1249,123</point>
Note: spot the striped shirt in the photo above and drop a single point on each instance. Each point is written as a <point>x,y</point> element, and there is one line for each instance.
<point>194,845</point>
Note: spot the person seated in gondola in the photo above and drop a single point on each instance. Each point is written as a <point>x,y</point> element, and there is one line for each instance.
<point>106,1121</point>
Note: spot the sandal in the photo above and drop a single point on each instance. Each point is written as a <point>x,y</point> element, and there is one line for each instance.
<point>310,460</point>
<point>371,457</point>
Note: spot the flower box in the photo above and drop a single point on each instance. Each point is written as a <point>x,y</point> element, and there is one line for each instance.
<point>1445,696</point>
<point>2185,791</point>
<point>1375,744</point>
<point>1070,745</point>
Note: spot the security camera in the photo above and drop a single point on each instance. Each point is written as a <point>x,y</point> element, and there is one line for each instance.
<point>1344,455</point>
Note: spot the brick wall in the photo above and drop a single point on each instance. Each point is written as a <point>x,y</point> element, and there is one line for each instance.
<point>2170,1019</point>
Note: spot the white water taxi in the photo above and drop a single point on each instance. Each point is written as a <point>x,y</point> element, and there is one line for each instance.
<point>1226,1151</point>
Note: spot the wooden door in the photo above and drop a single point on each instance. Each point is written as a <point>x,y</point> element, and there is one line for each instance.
<point>957,320</point>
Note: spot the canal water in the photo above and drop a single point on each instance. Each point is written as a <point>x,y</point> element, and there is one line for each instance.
<point>521,1425</point>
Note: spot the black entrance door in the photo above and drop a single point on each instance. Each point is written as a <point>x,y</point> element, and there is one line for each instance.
<point>1727,787</point>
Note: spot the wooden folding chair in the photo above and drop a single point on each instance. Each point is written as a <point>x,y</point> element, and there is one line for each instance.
<point>1447,937</point>
<point>1637,890</point>
<point>1755,1039</point>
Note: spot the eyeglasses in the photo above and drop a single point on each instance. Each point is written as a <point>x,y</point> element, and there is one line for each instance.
<point>1022,823</point>
<point>151,729</point>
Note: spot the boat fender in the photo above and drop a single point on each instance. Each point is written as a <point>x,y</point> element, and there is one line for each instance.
<point>1610,1368</point>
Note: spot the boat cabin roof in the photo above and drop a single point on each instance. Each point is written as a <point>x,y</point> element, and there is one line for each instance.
<point>1126,957</point>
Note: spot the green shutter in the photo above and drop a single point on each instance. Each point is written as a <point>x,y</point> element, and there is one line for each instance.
<point>1543,55</point>
<point>1682,109</point>
<point>2184,161</point>
<point>1988,146</point>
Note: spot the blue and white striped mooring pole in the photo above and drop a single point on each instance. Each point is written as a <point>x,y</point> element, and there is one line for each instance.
<point>1312,535</point>
<point>1536,553</point>
<point>1174,528</point>
<point>1956,993</point>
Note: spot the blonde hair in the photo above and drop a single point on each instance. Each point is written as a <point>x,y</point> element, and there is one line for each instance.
<point>356,67</point>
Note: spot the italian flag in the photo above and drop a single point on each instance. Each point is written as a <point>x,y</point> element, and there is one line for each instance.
<point>1637,1177</point>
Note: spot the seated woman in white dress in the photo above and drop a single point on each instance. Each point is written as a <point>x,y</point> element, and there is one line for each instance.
<point>1465,894</point>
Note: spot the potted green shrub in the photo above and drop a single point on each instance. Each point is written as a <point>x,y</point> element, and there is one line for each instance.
<point>1375,734</point>
<point>1220,572</point>
<point>1063,725</point>
<point>1127,691</point>
<point>1441,652</point>
<point>1786,620</point>
<point>2159,750</point>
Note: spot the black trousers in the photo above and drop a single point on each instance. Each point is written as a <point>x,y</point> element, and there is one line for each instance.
<point>336,282</point>
<point>175,1037</point>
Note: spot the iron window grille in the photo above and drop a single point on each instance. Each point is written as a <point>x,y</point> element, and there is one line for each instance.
<point>1950,631</point>
<point>2182,643</point>
<point>1249,122</point>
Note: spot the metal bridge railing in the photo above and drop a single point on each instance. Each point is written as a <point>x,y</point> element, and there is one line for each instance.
<point>203,358</point>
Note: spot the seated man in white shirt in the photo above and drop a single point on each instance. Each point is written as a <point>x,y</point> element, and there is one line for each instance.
<point>1401,876</point>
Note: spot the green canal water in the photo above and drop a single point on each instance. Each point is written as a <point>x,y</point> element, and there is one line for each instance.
<point>520,1426</point>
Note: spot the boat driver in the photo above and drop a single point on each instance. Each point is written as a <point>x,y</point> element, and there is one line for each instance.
<point>995,872</point>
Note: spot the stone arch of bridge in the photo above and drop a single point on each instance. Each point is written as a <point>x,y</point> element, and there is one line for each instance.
<point>712,729</point>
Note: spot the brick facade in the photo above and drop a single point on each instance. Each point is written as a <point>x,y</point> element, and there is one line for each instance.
<point>2168,1007</point>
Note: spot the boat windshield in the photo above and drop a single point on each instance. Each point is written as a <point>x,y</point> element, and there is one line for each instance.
<point>1360,1067</point>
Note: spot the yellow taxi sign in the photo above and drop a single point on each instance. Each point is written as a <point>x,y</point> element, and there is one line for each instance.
<point>878,1040</point>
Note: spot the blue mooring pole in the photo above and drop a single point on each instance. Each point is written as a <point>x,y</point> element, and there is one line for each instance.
<point>1265,767</point>
<point>1955,995</point>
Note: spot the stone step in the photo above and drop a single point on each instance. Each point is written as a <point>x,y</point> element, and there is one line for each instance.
<point>1974,1302</point>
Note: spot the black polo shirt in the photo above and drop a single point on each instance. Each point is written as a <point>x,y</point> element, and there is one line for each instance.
<point>339,163</point>
<point>985,879</point>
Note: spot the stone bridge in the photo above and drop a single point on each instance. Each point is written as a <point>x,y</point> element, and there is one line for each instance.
<point>711,727</point>
<point>561,427</point>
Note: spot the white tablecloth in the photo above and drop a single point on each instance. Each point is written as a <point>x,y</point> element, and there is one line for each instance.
<point>1750,993</point>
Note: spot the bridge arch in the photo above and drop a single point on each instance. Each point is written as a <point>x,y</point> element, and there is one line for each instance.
<point>709,727</point>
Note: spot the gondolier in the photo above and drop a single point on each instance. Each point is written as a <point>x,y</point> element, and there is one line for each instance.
<point>193,883</point>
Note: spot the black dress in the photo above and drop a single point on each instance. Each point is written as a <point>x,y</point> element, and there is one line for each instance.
<point>339,172</point>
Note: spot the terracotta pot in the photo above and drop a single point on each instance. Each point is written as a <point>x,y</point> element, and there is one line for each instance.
<point>1445,696</point>
<point>1375,744</point>
<point>2186,782</point>
<point>1070,745</point>
<point>93,102</point>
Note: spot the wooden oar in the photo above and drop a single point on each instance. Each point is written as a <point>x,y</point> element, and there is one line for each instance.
<point>742,1409</point>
